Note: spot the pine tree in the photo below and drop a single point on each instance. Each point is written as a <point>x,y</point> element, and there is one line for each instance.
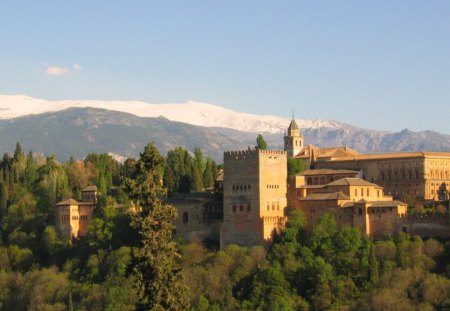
<point>157,272</point>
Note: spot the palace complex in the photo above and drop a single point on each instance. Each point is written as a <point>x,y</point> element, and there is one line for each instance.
<point>360,190</point>
<point>254,194</point>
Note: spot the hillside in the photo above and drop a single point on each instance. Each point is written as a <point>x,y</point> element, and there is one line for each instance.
<point>79,131</point>
<point>191,112</point>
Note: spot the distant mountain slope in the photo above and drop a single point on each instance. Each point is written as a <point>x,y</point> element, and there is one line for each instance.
<point>79,131</point>
<point>195,113</point>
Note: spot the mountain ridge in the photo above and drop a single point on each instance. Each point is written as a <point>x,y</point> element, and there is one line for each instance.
<point>191,112</point>
<point>75,132</point>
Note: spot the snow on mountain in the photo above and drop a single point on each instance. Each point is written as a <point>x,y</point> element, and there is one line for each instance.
<point>191,112</point>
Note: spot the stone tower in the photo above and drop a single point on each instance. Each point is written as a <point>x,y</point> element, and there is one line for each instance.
<point>254,189</point>
<point>293,141</point>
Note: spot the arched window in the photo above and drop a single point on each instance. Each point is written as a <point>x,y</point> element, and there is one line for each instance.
<point>185,217</point>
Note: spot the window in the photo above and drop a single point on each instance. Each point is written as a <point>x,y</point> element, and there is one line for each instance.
<point>185,217</point>
<point>234,207</point>
<point>360,211</point>
<point>249,208</point>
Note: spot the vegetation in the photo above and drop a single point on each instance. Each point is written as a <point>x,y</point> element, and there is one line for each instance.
<point>295,166</point>
<point>260,142</point>
<point>128,260</point>
<point>324,268</point>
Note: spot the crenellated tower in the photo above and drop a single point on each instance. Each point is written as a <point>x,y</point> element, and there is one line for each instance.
<point>254,196</point>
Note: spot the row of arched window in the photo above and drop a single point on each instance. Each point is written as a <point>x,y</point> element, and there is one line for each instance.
<point>399,174</point>
<point>273,186</point>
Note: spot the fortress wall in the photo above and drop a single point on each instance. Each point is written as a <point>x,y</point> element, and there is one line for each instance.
<point>433,225</point>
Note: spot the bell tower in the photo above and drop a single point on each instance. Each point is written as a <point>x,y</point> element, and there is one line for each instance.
<point>293,140</point>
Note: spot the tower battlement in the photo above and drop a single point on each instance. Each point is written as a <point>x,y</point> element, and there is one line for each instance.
<point>251,153</point>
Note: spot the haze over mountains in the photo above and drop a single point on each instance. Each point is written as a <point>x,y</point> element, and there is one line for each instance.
<point>75,128</point>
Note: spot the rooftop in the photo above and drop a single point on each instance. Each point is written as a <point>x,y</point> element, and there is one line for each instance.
<point>89,189</point>
<point>325,172</point>
<point>326,196</point>
<point>68,202</point>
<point>388,156</point>
<point>352,182</point>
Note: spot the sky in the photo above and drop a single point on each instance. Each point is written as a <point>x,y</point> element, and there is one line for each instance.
<point>381,65</point>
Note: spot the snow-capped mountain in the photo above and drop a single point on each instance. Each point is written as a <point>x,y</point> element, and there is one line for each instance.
<point>191,112</point>
<point>75,128</point>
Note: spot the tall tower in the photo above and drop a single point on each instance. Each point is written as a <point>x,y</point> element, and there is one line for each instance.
<point>293,141</point>
<point>254,196</point>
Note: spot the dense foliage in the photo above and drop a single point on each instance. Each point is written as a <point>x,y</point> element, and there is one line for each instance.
<point>325,268</point>
<point>128,260</point>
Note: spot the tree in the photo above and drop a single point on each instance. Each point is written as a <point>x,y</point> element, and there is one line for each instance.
<point>156,269</point>
<point>260,142</point>
<point>295,166</point>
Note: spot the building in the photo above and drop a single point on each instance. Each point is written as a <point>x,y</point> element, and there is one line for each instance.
<point>423,175</point>
<point>359,190</point>
<point>73,217</point>
<point>199,216</point>
<point>254,196</point>
<point>353,201</point>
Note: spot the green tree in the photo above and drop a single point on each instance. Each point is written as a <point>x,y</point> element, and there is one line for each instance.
<point>295,166</point>
<point>260,142</point>
<point>157,273</point>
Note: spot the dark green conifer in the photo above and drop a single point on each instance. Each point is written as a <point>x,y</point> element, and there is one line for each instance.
<point>157,272</point>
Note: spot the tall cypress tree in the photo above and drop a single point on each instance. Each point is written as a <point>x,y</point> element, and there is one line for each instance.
<point>155,267</point>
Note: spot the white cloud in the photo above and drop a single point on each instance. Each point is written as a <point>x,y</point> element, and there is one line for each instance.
<point>56,71</point>
<point>77,67</point>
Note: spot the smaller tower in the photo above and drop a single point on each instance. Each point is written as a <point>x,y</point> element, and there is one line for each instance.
<point>293,141</point>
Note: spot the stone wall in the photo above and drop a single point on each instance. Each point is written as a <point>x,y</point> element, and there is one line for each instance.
<point>426,225</point>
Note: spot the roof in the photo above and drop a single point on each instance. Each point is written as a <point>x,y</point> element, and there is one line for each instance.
<point>352,182</point>
<point>334,152</point>
<point>293,125</point>
<point>396,155</point>
<point>326,196</point>
<point>220,175</point>
<point>377,204</point>
<point>89,189</point>
<point>325,172</point>
<point>394,203</point>
<point>68,202</point>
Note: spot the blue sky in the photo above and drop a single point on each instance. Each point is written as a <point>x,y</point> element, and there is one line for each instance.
<point>375,64</point>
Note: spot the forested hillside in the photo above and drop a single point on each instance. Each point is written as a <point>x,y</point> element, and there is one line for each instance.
<point>128,261</point>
